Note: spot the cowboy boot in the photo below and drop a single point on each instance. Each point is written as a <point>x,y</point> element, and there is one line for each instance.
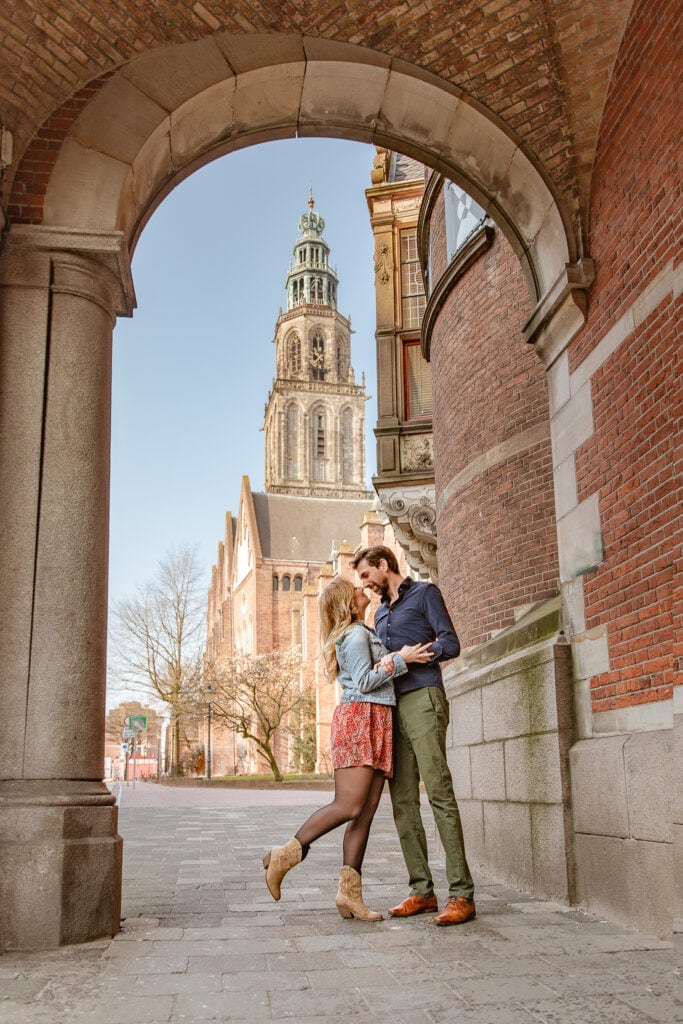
<point>278,862</point>
<point>350,897</point>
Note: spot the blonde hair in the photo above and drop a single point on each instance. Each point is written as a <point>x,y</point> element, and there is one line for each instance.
<point>335,615</point>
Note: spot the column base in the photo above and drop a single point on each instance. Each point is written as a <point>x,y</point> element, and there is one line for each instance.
<point>60,864</point>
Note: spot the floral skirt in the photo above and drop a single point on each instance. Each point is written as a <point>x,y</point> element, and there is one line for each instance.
<point>362,734</point>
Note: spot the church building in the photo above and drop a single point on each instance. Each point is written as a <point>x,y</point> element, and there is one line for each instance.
<point>286,542</point>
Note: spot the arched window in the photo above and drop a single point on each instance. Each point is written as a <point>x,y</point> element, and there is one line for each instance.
<point>318,443</point>
<point>286,582</point>
<point>346,441</point>
<point>292,443</point>
<point>298,583</point>
<point>294,354</point>
<point>276,582</point>
<point>342,359</point>
<point>317,357</point>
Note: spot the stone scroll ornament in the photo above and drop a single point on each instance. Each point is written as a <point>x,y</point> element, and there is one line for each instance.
<point>413,517</point>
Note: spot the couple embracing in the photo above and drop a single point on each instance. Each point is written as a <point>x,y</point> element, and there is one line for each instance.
<point>390,723</point>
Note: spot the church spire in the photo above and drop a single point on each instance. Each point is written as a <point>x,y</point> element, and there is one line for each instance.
<point>315,414</point>
<point>311,280</point>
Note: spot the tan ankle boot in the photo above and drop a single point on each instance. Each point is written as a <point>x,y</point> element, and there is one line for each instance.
<point>350,897</point>
<point>278,862</point>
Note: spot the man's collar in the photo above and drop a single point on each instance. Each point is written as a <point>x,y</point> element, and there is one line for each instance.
<point>404,585</point>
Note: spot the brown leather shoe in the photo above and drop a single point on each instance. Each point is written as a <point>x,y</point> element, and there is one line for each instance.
<point>415,905</point>
<point>458,909</point>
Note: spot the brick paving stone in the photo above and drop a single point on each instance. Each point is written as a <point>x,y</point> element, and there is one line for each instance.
<point>203,941</point>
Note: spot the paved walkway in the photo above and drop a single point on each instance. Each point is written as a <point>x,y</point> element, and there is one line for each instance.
<point>203,941</point>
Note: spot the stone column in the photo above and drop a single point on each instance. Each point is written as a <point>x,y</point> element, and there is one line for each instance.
<point>60,854</point>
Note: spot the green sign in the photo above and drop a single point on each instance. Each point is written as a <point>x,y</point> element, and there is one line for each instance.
<point>136,722</point>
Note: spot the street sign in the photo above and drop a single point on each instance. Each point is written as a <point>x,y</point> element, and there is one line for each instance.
<point>136,722</point>
<point>124,747</point>
<point>129,734</point>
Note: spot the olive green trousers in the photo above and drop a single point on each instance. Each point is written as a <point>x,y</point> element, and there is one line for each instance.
<point>420,725</point>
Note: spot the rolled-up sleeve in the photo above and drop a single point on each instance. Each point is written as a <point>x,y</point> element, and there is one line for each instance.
<point>446,644</point>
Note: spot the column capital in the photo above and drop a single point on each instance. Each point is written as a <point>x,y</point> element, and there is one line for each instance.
<point>93,264</point>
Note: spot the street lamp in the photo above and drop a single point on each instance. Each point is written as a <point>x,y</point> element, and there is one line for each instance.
<point>208,697</point>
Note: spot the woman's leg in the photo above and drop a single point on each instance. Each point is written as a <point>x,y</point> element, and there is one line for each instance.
<point>358,829</point>
<point>352,787</point>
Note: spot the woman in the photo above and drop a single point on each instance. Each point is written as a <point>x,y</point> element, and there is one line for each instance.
<point>361,740</point>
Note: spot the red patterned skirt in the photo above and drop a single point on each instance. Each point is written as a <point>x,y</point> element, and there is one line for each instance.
<point>362,734</point>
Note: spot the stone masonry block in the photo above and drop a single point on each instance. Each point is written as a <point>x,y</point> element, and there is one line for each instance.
<point>505,707</point>
<point>647,757</point>
<point>627,880</point>
<point>466,718</point>
<point>472,818</point>
<point>459,762</point>
<point>508,847</point>
<point>75,170</point>
<point>599,808</point>
<point>118,120</point>
<point>488,771</point>
<point>572,425</point>
<point>532,769</point>
<point>203,121</point>
<point>549,850</point>
<point>580,539</point>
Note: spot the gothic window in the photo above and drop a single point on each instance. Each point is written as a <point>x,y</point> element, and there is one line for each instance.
<point>317,290</point>
<point>298,583</point>
<point>417,378</point>
<point>292,442</point>
<point>294,354</point>
<point>317,358</point>
<point>342,359</point>
<point>318,427</point>
<point>276,582</point>
<point>320,436</point>
<point>412,290</point>
<point>286,582</point>
<point>346,440</point>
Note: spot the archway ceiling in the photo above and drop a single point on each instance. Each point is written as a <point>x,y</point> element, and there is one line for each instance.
<point>539,71</point>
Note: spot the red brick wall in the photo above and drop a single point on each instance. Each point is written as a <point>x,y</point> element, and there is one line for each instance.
<point>437,240</point>
<point>632,459</point>
<point>496,535</point>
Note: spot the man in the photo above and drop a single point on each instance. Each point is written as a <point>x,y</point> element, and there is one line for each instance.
<point>410,612</point>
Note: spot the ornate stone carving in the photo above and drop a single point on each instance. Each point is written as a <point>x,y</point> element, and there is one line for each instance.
<point>383,265</point>
<point>417,453</point>
<point>412,513</point>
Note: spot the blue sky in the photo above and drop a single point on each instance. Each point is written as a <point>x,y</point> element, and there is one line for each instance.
<point>194,365</point>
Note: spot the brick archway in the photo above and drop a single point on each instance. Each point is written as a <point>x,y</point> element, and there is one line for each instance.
<point>107,158</point>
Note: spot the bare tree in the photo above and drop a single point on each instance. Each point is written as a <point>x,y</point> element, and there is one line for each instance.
<point>156,637</point>
<point>255,695</point>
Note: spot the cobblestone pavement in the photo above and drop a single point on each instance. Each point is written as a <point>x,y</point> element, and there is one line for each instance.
<point>203,941</point>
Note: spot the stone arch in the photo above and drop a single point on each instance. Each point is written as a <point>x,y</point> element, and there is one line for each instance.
<point>109,159</point>
<point>170,111</point>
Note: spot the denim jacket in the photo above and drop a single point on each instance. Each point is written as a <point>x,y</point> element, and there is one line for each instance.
<point>357,651</point>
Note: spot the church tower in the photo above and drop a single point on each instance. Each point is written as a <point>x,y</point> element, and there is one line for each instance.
<point>315,414</point>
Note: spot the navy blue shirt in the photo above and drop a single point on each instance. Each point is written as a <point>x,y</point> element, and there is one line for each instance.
<point>417,615</point>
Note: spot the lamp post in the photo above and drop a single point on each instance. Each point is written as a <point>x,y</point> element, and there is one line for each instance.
<point>208,697</point>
